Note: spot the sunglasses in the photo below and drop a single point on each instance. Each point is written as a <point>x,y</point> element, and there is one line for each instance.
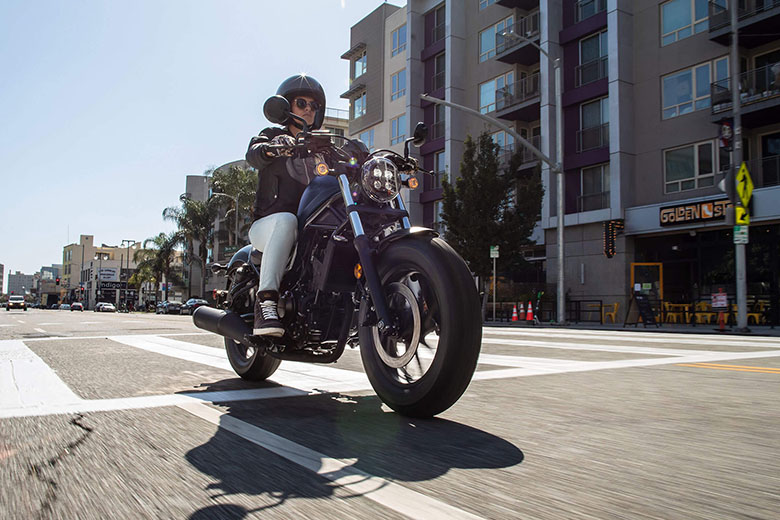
<point>301,103</point>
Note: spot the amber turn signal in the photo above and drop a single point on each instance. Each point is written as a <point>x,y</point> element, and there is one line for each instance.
<point>358,271</point>
<point>413,183</point>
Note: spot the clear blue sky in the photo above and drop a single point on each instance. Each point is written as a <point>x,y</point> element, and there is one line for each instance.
<point>106,105</point>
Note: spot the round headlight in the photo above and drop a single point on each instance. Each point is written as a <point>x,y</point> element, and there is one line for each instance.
<point>380,179</point>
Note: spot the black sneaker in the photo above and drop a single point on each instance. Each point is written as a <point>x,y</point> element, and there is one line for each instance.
<point>267,321</point>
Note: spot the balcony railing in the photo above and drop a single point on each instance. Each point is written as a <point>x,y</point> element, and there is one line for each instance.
<point>527,154</point>
<point>593,201</point>
<point>719,12</point>
<point>591,71</point>
<point>593,137</point>
<point>526,28</point>
<point>437,33</point>
<point>438,80</point>
<point>337,113</point>
<point>754,86</point>
<point>584,9</point>
<point>517,92</point>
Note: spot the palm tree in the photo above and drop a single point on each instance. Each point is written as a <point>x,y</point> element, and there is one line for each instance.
<point>156,257</point>
<point>195,220</point>
<point>235,186</point>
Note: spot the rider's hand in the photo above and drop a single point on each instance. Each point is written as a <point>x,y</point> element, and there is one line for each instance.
<point>284,140</point>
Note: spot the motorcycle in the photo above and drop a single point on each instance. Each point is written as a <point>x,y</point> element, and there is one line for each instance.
<point>361,275</point>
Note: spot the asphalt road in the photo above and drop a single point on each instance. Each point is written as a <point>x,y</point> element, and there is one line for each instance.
<point>140,416</point>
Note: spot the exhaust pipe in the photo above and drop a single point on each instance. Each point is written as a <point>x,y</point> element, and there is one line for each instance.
<point>228,324</point>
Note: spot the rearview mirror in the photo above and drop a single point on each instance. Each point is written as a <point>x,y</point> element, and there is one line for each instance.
<point>276,109</point>
<point>420,134</point>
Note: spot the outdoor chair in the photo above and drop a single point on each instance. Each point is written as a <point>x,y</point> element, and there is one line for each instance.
<point>610,311</point>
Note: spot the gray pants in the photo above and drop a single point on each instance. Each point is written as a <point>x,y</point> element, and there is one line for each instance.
<point>274,235</point>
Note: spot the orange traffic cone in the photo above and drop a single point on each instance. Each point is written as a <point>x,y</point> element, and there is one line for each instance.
<point>529,316</point>
<point>514,313</point>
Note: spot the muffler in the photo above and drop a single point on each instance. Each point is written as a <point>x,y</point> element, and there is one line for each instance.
<point>228,324</point>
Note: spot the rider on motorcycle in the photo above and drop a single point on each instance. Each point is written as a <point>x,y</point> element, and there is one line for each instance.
<point>281,181</point>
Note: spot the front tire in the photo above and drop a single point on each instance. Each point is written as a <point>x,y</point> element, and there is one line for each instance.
<point>433,299</point>
<point>249,363</point>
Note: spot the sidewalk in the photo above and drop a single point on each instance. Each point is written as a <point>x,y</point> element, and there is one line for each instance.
<point>755,330</point>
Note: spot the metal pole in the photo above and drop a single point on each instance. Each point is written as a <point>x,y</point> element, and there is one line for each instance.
<point>236,216</point>
<point>494,289</point>
<point>560,192</point>
<point>736,163</point>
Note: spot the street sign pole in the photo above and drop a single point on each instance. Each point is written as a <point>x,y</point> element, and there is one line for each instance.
<point>494,255</point>
<point>737,162</point>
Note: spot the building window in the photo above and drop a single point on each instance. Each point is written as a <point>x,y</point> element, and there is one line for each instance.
<point>594,188</point>
<point>399,40</point>
<point>487,38</point>
<point>368,139</point>
<point>398,129</point>
<point>688,90</point>
<point>594,125</point>
<point>438,122</point>
<point>359,66</point>
<point>506,145</point>
<point>439,71</point>
<point>584,9</point>
<point>398,82</point>
<point>484,3</point>
<point>439,169</point>
<point>438,24</point>
<point>593,59</point>
<point>487,91</point>
<point>690,167</point>
<point>681,19</point>
<point>359,106</point>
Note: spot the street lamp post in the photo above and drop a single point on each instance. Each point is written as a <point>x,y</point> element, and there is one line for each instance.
<point>556,167</point>
<point>127,283</point>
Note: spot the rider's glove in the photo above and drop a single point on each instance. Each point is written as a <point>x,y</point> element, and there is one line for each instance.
<point>284,140</point>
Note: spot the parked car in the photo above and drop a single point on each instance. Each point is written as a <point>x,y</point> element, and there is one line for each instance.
<point>16,302</point>
<point>65,307</point>
<point>192,304</point>
<point>55,306</point>
<point>169,307</point>
<point>77,306</point>
<point>107,307</point>
<point>98,305</point>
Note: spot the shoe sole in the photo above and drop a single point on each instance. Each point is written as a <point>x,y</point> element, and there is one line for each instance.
<point>269,331</point>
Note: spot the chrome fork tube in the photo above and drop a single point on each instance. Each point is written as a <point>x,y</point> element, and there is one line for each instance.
<point>399,201</point>
<point>354,218</point>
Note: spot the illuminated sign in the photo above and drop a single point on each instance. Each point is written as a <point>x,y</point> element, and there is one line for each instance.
<point>706,211</point>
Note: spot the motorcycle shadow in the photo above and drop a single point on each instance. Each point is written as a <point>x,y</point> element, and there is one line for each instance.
<point>356,429</point>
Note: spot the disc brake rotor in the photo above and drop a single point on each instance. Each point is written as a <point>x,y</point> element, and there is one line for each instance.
<point>405,311</point>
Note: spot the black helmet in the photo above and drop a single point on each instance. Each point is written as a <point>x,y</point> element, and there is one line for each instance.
<point>301,84</point>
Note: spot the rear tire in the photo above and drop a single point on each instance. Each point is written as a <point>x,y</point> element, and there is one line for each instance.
<point>249,363</point>
<point>428,274</point>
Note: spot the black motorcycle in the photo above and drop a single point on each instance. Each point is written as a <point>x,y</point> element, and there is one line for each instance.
<point>360,275</point>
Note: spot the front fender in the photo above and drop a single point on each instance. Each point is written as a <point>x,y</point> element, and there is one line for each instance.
<point>413,232</point>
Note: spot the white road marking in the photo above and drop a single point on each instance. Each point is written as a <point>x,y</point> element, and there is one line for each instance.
<point>26,381</point>
<point>20,321</point>
<point>8,325</point>
<point>39,330</point>
<point>90,322</point>
<point>51,323</point>
<point>342,473</point>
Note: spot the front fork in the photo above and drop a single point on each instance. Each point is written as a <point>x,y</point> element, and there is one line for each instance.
<point>363,247</point>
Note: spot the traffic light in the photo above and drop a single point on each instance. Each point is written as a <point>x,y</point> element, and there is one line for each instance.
<point>611,230</point>
<point>58,281</point>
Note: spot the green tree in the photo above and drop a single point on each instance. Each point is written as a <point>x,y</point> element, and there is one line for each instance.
<point>487,207</point>
<point>237,187</point>
<point>155,261</point>
<point>195,220</point>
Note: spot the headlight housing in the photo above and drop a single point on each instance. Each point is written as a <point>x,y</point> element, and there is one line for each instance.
<point>380,179</point>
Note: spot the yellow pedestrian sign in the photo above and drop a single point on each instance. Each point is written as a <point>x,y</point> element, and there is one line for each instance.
<point>744,185</point>
<point>741,216</point>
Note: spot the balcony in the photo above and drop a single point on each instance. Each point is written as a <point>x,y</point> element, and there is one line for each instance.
<point>591,71</point>
<point>584,9</point>
<point>515,43</point>
<point>593,201</point>
<point>757,22</point>
<point>520,100</point>
<point>525,5</point>
<point>759,96</point>
<point>528,158</point>
<point>593,138</point>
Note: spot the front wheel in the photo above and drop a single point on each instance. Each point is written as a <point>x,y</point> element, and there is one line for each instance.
<point>427,365</point>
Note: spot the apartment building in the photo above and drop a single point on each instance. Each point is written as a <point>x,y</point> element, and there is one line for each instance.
<point>93,273</point>
<point>646,90</point>
<point>20,283</point>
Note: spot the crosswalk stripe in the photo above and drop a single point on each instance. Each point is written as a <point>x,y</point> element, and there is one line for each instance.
<point>26,380</point>
<point>644,337</point>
